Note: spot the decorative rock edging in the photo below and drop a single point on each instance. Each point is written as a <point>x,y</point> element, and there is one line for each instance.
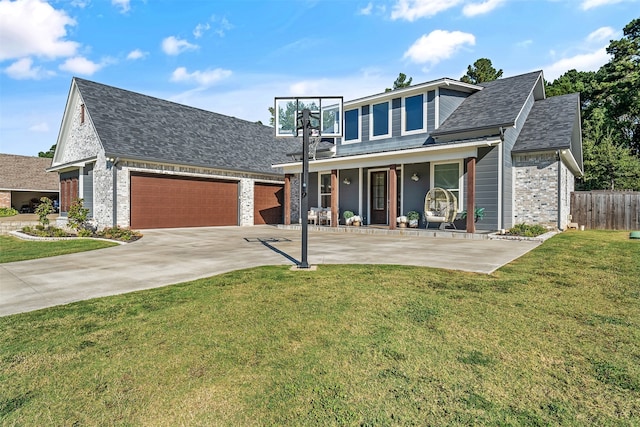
<point>25,236</point>
<point>540,238</point>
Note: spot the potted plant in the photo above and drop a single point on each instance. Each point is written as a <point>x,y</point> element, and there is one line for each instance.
<point>402,221</point>
<point>347,215</point>
<point>478,214</point>
<point>413,218</point>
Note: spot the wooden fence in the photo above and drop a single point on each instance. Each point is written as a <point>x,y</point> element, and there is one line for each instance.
<point>606,210</point>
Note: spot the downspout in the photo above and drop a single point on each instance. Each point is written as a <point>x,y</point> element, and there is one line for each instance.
<point>114,175</point>
<point>559,160</point>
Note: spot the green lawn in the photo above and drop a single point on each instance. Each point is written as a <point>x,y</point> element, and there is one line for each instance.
<point>551,339</point>
<point>14,249</point>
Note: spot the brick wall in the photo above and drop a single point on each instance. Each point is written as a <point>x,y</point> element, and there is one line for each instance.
<point>536,191</point>
<point>5,199</point>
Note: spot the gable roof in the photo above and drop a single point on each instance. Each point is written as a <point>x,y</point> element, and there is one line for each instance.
<point>140,127</point>
<point>497,105</point>
<point>26,173</point>
<point>552,117</point>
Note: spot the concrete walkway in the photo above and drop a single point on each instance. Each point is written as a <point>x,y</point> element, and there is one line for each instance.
<point>168,256</point>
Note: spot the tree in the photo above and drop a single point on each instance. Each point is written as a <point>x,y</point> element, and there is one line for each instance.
<point>583,82</point>
<point>400,82</point>
<point>48,154</point>
<point>482,71</point>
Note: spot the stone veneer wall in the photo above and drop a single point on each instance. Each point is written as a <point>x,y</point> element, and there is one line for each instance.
<point>536,188</point>
<point>5,199</point>
<point>567,186</point>
<point>245,190</point>
<point>295,199</point>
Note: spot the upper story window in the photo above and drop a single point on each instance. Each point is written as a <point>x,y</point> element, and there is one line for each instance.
<point>352,125</point>
<point>413,114</point>
<point>380,120</point>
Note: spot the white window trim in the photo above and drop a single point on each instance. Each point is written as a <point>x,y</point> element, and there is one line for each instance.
<point>460,179</point>
<point>344,124</point>
<point>389,117</point>
<point>404,116</point>
<point>320,193</point>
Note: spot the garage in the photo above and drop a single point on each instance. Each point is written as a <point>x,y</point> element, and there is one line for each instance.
<point>161,201</point>
<point>268,203</point>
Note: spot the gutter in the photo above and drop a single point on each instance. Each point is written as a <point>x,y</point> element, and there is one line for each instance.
<point>567,156</point>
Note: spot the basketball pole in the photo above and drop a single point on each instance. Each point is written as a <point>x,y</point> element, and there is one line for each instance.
<point>305,178</point>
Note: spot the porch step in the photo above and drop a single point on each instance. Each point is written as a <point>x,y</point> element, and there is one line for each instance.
<point>405,232</point>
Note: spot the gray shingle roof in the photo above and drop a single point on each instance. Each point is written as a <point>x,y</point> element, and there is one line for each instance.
<point>26,173</point>
<point>136,126</point>
<point>553,118</point>
<point>498,104</point>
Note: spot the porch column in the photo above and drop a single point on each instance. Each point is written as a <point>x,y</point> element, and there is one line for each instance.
<point>471,194</point>
<point>334,197</point>
<point>287,199</point>
<point>393,197</point>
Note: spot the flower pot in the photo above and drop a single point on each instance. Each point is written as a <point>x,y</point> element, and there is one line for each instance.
<point>356,223</point>
<point>413,223</point>
<point>402,224</point>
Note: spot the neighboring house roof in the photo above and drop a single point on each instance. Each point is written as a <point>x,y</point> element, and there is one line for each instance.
<point>135,126</point>
<point>552,117</point>
<point>24,173</point>
<point>497,105</point>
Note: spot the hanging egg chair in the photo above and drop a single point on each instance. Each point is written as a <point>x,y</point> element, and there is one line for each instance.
<point>440,206</point>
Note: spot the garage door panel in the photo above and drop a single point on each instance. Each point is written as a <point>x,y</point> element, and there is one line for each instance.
<point>162,202</point>
<point>268,201</point>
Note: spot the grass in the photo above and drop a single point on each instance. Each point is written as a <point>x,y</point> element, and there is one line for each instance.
<point>14,249</point>
<point>550,339</point>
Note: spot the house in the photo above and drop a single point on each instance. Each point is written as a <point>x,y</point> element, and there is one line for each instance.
<point>502,146</point>
<point>24,180</point>
<point>143,162</point>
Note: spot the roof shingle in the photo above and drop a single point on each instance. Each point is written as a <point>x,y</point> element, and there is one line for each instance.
<point>26,173</point>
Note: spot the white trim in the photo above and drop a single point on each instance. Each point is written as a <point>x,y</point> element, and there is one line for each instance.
<point>369,193</point>
<point>403,116</point>
<point>436,101</point>
<point>460,188</point>
<point>500,187</point>
<point>319,201</point>
<point>360,195</point>
<point>416,155</point>
<point>373,137</point>
<point>344,127</point>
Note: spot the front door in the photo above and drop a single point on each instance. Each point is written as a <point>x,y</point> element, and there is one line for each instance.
<point>379,197</point>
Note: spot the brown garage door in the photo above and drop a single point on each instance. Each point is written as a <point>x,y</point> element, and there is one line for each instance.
<point>267,204</point>
<point>166,201</point>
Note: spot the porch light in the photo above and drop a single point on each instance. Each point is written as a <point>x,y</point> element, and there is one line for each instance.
<point>346,181</point>
<point>415,177</point>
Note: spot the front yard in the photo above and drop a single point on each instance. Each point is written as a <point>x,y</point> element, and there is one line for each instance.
<point>550,339</point>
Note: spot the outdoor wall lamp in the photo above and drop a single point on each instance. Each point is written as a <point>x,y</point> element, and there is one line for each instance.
<point>415,177</point>
<point>346,181</point>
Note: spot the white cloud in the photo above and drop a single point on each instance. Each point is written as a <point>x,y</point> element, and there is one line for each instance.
<point>524,43</point>
<point>200,29</point>
<point>590,4</point>
<point>81,65</point>
<point>203,78</point>
<point>411,10</point>
<point>603,34</point>
<point>174,46</point>
<point>137,54</point>
<point>33,27</point>
<point>581,62</point>
<point>223,26</point>
<point>366,10</point>
<point>23,69</point>
<point>124,5</point>
<point>473,9</point>
<point>438,45</point>
<point>40,127</point>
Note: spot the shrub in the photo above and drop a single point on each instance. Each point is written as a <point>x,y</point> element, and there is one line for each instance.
<point>526,230</point>
<point>83,232</point>
<point>118,233</point>
<point>413,215</point>
<point>40,231</point>
<point>8,212</point>
<point>77,215</point>
<point>44,208</point>
<point>347,214</point>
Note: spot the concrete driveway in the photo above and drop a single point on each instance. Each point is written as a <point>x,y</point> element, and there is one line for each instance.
<point>168,256</point>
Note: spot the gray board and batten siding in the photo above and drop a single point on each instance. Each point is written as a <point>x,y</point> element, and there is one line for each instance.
<point>448,101</point>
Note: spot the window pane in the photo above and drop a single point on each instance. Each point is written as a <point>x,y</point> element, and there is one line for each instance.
<point>414,112</point>
<point>351,130</point>
<point>381,119</point>
<point>325,190</point>
<point>447,175</point>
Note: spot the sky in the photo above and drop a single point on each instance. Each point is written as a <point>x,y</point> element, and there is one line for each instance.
<point>234,56</point>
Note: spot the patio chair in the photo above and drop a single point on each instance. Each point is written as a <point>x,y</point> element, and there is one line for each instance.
<point>324,216</point>
<point>312,216</point>
<point>440,206</point>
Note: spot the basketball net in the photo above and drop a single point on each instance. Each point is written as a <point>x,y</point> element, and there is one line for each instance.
<point>313,146</point>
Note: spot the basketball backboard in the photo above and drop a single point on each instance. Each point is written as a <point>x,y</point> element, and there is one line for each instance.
<point>325,117</point>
